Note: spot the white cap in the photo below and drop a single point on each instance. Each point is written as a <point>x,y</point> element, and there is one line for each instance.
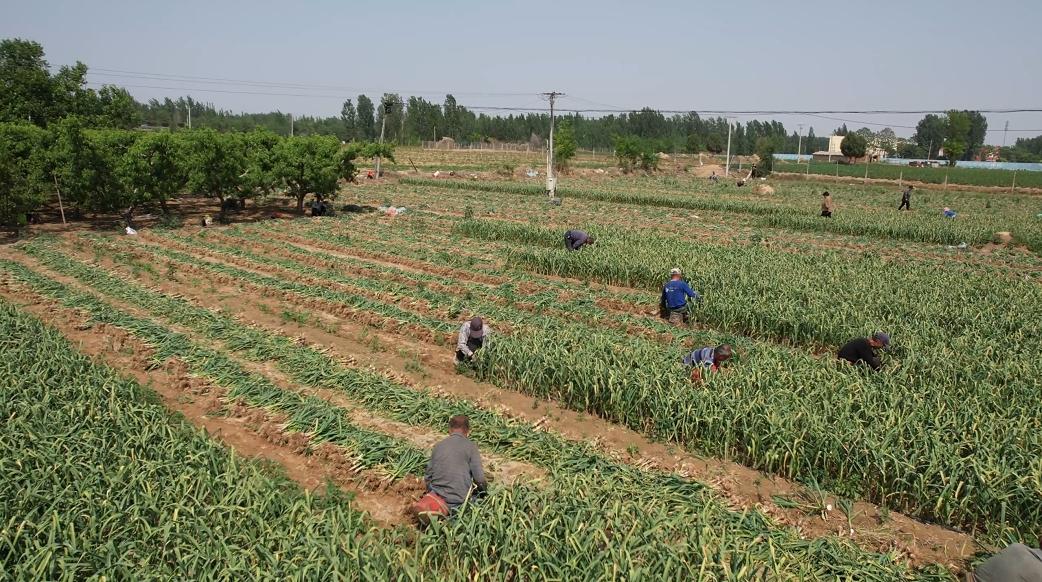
<point>674,271</point>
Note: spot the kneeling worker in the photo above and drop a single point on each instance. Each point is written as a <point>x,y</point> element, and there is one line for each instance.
<point>577,239</point>
<point>707,359</point>
<point>472,337</point>
<point>863,350</point>
<point>675,294</point>
<point>454,473</point>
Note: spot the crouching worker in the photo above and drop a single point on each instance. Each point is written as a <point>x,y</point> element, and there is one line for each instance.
<point>673,305</point>
<point>472,337</point>
<point>863,350</point>
<point>1015,563</point>
<point>707,360</point>
<point>577,239</point>
<point>454,474</point>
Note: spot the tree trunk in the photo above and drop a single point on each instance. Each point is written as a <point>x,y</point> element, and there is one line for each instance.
<point>128,217</point>
<point>300,202</point>
<point>163,206</point>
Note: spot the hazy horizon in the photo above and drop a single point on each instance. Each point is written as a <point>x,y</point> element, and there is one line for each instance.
<point>307,58</point>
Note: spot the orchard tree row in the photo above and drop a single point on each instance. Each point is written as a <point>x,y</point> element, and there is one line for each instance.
<point>112,170</point>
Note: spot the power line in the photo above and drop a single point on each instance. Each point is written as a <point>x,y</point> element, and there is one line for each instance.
<point>119,73</point>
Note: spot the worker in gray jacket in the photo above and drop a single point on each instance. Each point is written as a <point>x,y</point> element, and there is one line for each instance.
<point>473,335</point>
<point>454,473</point>
<point>1016,563</point>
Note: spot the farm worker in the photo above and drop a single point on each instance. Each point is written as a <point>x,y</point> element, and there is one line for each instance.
<point>577,239</point>
<point>675,294</point>
<point>948,212</point>
<point>708,358</point>
<point>318,207</point>
<point>826,204</point>
<point>906,198</point>
<point>1016,563</point>
<point>714,178</point>
<point>454,473</point>
<point>864,350</point>
<point>472,336</point>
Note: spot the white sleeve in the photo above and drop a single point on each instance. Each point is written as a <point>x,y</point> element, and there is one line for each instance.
<point>461,343</point>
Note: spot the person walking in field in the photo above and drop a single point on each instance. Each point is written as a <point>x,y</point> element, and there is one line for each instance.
<point>707,360</point>
<point>906,198</point>
<point>472,337</point>
<point>675,293</point>
<point>577,239</point>
<point>826,204</point>
<point>863,350</point>
<point>454,473</point>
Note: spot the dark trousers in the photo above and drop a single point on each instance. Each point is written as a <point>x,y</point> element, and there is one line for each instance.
<point>474,344</point>
<point>826,213</point>
<point>905,205</point>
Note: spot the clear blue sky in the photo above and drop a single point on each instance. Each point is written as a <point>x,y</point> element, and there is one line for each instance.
<point>667,55</point>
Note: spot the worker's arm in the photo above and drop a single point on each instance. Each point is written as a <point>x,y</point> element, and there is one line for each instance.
<point>874,362</point>
<point>477,473</point>
<point>691,292</point>
<point>461,343</point>
<point>428,474</point>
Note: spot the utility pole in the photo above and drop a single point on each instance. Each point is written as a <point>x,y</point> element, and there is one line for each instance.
<point>929,150</point>
<point>189,115</point>
<point>383,125</point>
<point>799,145</point>
<point>551,180</point>
<point>291,125</point>
<point>727,165</point>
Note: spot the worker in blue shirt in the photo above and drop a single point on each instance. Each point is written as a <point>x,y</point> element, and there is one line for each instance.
<point>675,294</point>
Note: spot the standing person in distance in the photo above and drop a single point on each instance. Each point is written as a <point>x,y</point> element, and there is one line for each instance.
<point>472,337</point>
<point>675,293</point>
<point>826,204</point>
<point>906,198</point>
<point>863,350</point>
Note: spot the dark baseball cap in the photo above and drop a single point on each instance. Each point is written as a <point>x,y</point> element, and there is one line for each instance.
<point>882,337</point>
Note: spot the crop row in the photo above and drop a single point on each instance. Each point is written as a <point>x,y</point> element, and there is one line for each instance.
<point>967,176</point>
<point>671,525</point>
<point>973,229</point>
<point>320,421</point>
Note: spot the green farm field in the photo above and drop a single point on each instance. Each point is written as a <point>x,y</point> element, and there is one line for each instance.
<point>986,177</point>
<point>286,379</point>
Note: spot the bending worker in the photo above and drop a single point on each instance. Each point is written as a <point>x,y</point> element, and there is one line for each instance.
<point>827,205</point>
<point>707,359</point>
<point>472,335</point>
<point>675,294</point>
<point>454,473</point>
<point>863,350</point>
<point>577,239</point>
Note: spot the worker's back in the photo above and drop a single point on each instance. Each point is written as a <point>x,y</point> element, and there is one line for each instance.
<point>1017,563</point>
<point>454,467</point>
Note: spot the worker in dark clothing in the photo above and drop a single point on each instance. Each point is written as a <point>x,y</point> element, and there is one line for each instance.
<point>906,199</point>
<point>577,239</point>
<point>454,473</point>
<point>472,337</point>
<point>863,350</point>
<point>708,359</point>
<point>1016,563</point>
<point>675,293</point>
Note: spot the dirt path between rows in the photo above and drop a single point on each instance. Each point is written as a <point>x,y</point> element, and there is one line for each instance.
<point>741,486</point>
